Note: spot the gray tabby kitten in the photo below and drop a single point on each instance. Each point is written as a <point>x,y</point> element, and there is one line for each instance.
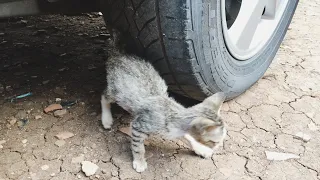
<point>136,86</point>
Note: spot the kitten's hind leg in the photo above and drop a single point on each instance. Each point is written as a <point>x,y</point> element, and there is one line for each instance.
<point>106,116</point>
<point>138,150</point>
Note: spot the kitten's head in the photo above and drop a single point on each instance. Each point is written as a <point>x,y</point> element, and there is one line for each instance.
<point>208,128</point>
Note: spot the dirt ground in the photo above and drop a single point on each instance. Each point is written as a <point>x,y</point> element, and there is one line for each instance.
<point>62,57</point>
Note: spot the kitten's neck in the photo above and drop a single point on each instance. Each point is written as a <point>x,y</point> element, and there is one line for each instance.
<point>179,119</point>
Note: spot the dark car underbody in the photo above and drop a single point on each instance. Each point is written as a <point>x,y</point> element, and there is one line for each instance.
<point>11,8</point>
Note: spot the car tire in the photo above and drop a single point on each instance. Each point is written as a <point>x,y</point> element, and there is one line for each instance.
<point>184,41</point>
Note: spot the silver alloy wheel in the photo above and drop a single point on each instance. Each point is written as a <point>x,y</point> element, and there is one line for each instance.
<point>253,27</point>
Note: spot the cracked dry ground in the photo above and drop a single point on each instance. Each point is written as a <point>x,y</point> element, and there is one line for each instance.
<point>267,117</point>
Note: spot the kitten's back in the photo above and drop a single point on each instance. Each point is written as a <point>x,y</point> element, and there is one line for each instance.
<point>131,80</point>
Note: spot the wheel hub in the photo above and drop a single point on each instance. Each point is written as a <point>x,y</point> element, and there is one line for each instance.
<point>248,25</point>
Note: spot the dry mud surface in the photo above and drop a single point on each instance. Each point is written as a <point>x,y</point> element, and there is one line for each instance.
<point>62,57</point>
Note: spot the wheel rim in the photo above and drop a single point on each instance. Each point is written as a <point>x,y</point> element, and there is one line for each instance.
<point>254,25</point>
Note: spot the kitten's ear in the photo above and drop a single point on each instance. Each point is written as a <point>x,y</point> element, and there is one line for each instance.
<point>215,101</point>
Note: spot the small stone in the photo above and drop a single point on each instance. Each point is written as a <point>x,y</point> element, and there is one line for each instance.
<point>64,135</point>
<point>113,173</point>
<point>60,113</point>
<point>100,13</point>
<point>45,167</point>
<point>276,156</point>
<point>24,141</point>
<point>40,32</point>
<point>12,121</point>
<point>23,21</point>
<point>93,146</point>
<point>97,176</point>
<point>303,136</point>
<point>93,114</point>
<point>79,176</point>
<point>2,142</point>
<point>89,168</point>
<point>60,143</point>
<point>63,54</point>
<point>1,34</point>
<point>45,82</point>
<point>37,117</point>
<point>78,159</point>
<point>62,69</point>
<point>103,28</point>
<point>104,36</point>
<point>52,107</point>
<point>53,174</point>
<point>58,99</point>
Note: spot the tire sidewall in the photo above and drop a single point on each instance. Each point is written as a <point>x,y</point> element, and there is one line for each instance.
<point>220,69</point>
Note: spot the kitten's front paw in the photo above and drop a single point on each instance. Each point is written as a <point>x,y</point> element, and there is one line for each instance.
<point>140,166</point>
<point>106,126</point>
<point>203,151</point>
<point>205,154</point>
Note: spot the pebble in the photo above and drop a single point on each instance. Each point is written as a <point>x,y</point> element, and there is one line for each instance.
<point>303,136</point>
<point>52,107</point>
<point>105,172</point>
<point>104,36</point>
<point>79,176</point>
<point>1,34</point>
<point>60,143</point>
<point>24,21</point>
<point>276,156</point>
<point>45,82</point>
<point>24,141</point>
<point>100,13</point>
<point>12,121</point>
<point>58,99</point>
<point>89,168</point>
<point>62,69</point>
<point>53,174</point>
<point>36,117</point>
<point>64,135</point>
<point>2,142</point>
<point>60,113</point>
<point>45,167</point>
